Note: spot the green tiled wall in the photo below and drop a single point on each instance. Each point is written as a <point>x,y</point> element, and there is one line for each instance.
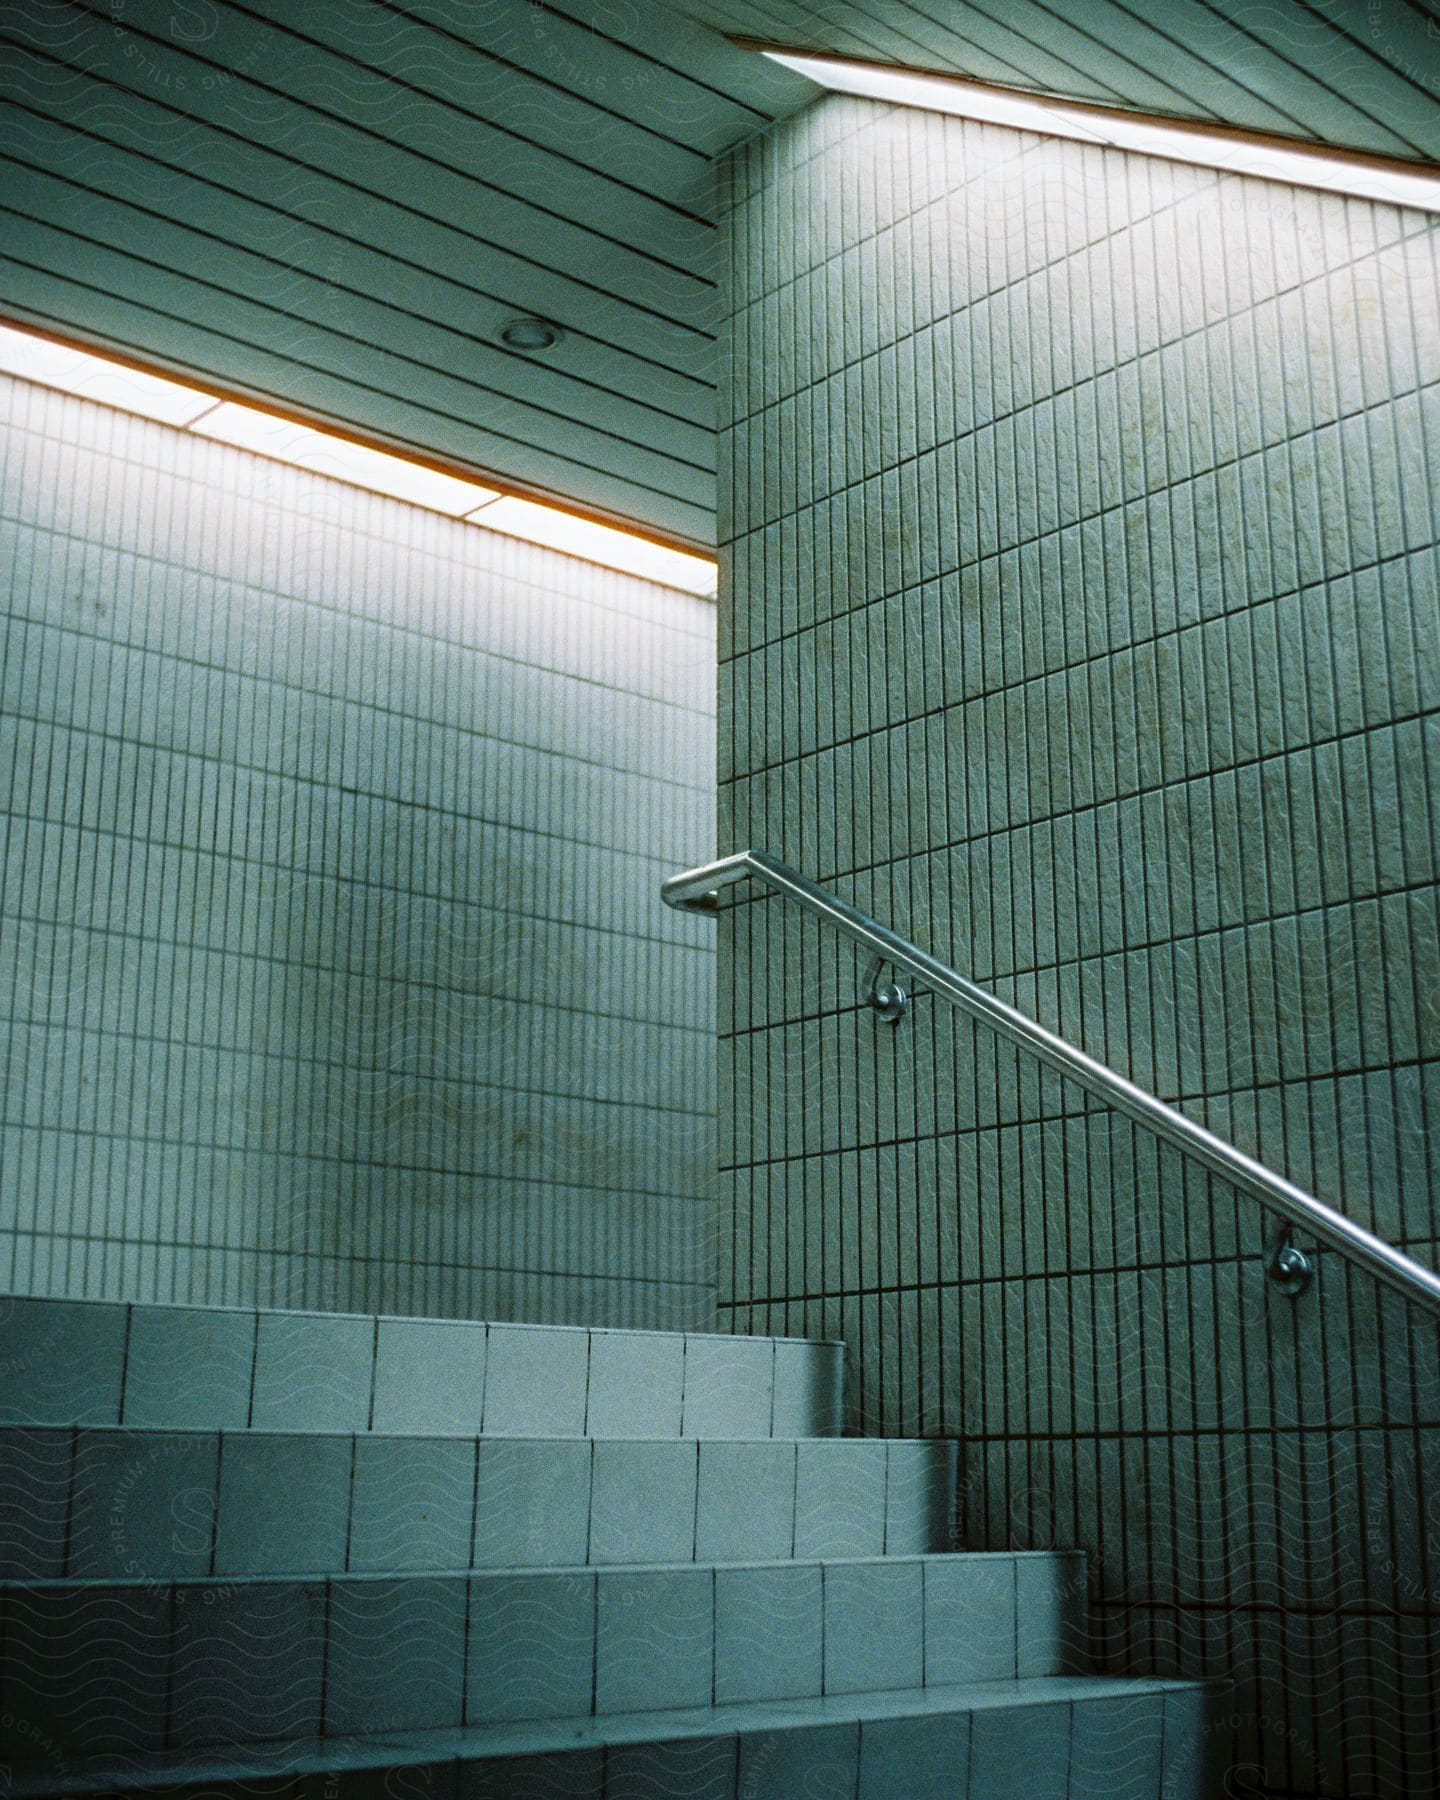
<point>331,964</point>
<point>1081,618</point>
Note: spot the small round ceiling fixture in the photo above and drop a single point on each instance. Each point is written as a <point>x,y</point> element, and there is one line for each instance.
<point>530,334</point>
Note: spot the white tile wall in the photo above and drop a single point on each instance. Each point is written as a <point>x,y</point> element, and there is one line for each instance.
<point>334,969</point>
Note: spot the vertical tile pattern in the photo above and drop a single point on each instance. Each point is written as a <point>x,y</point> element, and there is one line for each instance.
<point>1081,618</point>
<point>333,970</point>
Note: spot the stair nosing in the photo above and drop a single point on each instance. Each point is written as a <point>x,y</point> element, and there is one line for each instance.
<point>122,1429</point>
<point>301,1312</point>
<point>877,1559</point>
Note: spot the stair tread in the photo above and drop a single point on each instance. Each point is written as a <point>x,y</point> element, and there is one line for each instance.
<point>147,1583</point>
<point>104,1774</point>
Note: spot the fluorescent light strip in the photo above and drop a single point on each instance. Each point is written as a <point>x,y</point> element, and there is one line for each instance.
<point>596,543</point>
<point>92,377</point>
<point>97,378</point>
<point>1356,175</point>
<point>248,428</point>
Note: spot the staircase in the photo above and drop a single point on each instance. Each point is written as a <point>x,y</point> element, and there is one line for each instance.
<point>330,1555</point>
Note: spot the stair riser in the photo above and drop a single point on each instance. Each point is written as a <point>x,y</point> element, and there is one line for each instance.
<point>170,1367</point>
<point>124,1504</point>
<point>119,1669</point>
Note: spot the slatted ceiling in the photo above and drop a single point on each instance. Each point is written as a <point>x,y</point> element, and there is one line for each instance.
<point>534,108</point>
<point>40,297</point>
<point>1331,66</point>
<point>345,333</point>
<point>1041,52</point>
<point>431,111</point>
<point>660,42</point>
<point>338,205</point>
<point>570,56</point>
<point>193,153</point>
<point>294,269</point>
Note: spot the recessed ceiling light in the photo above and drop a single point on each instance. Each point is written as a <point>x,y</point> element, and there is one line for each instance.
<point>530,334</point>
<point>1265,157</point>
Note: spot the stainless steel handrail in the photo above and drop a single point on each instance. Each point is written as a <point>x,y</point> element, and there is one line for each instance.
<point>696,890</point>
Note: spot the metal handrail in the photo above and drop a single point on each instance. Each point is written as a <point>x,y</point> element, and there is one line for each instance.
<point>697,890</point>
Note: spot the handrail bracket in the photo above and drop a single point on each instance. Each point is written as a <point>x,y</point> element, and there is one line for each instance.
<point>889,1000</point>
<point>1286,1264</point>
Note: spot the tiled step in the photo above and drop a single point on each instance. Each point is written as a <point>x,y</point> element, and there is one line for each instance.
<point>1081,1738</point>
<point>95,1362</point>
<point>132,1667</point>
<point>105,1503</point>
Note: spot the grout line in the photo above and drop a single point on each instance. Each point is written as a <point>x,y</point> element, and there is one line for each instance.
<point>472,1534</point>
<point>695,1511</point>
<point>124,1364</point>
<point>327,1641</point>
<point>254,1372</point>
<point>590,1452</point>
<point>374,1374</point>
<point>222,1440</point>
<point>67,1546</point>
<point>350,1502</point>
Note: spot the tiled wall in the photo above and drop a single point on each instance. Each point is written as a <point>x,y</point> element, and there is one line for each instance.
<point>1082,621</point>
<point>331,959</point>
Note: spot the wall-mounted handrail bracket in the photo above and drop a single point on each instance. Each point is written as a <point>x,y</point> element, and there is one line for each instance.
<point>1316,1218</point>
<point>1286,1264</point>
<point>890,999</point>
